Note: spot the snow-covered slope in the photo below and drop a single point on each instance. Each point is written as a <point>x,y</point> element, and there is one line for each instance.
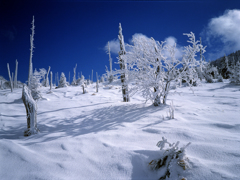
<point>97,136</point>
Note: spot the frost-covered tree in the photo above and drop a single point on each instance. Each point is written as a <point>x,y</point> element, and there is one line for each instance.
<point>74,82</point>
<point>31,53</point>
<point>235,75</point>
<point>155,70</point>
<point>63,81</point>
<point>35,83</point>
<point>102,79</point>
<point>110,74</point>
<point>224,70</point>
<point>220,78</point>
<point>31,110</point>
<point>123,67</point>
<point>80,81</point>
<point>46,80</point>
<point>209,73</point>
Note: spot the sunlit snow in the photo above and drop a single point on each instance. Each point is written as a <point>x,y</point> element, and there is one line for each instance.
<point>97,136</point>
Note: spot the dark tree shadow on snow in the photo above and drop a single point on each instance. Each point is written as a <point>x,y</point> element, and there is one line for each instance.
<point>99,120</point>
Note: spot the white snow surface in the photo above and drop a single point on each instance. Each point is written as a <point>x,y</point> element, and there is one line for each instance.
<point>97,136</point>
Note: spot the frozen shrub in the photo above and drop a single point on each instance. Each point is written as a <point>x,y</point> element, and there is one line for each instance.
<point>172,162</point>
<point>35,83</point>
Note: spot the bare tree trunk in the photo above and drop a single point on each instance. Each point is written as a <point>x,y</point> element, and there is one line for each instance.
<point>83,89</point>
<point>15,79</point>
<point>69,78</point>
<point>31,110</point>
<point>166,92</point>
<point>97,82</point>
<point>123,66</point>
<point>10,78</point>
<point>51,81</point>
<point>110,64</point>
<point>31,53</point>
<point>47,80</point>
<point>92,76</point>
<point>57,80</point>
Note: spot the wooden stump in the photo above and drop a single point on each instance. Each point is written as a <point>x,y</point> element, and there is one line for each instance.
<point>31,110</point>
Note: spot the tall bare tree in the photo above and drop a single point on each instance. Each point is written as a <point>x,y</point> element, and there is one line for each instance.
<point>31,52</point>
<point>121,53</point>
<point>47,79</point>
<point>96,82</point>
<point>16,71</point>
<point>110,63</point>
<point>10,78</point>
<point>51,80</point>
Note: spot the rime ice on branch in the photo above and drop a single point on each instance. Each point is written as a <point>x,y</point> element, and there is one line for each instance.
<point>155,69</point>
<point>31,53</point>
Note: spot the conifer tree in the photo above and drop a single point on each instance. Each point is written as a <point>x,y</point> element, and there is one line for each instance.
<point>63,81</point>
<point>74,82</point>
<point>224,67</point>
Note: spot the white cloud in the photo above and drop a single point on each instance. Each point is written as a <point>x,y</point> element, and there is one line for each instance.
<point>225,29</point>
<point>114,46</point>
<point>171,41</point>
<point>139,35</point>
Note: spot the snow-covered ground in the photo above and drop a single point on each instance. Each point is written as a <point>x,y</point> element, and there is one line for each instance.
<point>97,136</point>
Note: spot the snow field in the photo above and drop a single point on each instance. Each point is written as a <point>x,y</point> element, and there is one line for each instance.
<point>97,136</point>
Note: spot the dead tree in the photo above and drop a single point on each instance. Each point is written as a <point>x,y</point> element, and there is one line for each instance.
<point>10,78</point>
<point>31,53</point>
<point>47,80</point>
<point>15,79</point>
<point>121,53</point>
<point>31,110</point>
<point>97,82</point>
<point>51,80</point>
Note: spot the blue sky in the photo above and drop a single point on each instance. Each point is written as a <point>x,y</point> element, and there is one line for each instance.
<point>70,32</point>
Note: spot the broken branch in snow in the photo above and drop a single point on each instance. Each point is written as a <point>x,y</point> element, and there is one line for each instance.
<point>172,159</point>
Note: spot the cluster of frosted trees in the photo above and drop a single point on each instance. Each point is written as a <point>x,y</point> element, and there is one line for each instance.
<point>235,73</point>
<point>154,68</point>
